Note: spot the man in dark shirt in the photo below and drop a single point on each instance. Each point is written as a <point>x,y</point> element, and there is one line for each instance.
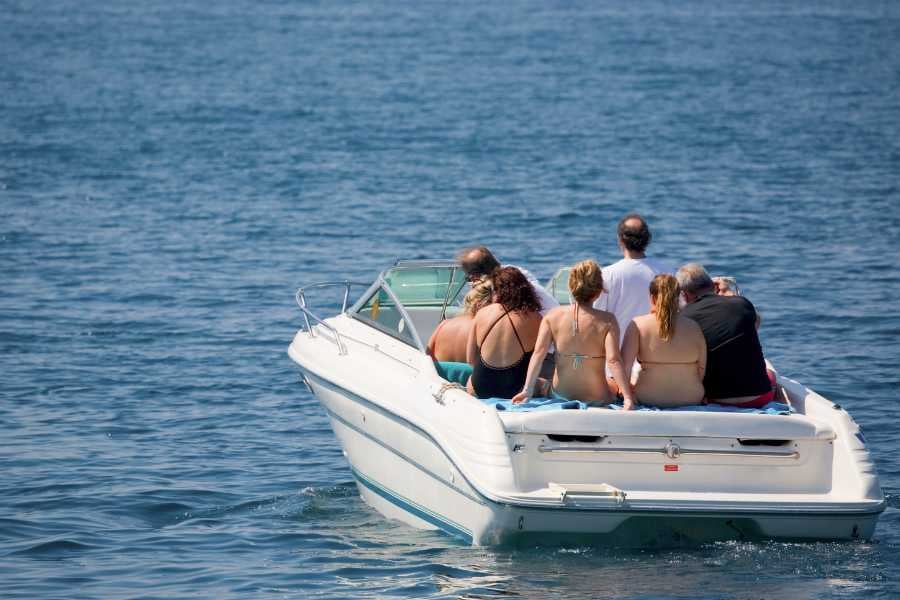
<point>735,367</point>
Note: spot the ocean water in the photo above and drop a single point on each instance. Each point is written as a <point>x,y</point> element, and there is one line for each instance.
<point>170,172</point>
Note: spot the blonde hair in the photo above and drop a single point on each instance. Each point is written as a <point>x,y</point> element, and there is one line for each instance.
<point>478,297</point>
<point>585,281</point>
<point>664,290</point>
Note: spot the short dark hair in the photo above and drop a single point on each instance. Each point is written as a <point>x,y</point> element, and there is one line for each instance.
<point>633,238</point>
<point>478,261</point>
<point>514,292</point>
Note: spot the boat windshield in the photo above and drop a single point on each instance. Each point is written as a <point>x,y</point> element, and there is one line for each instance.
<point>426,292</point>
<point>558,286</point>
<point>434,286</point>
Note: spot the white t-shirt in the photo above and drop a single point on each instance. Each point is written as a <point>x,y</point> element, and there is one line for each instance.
<point>626,287</point>
<point>547,301</point>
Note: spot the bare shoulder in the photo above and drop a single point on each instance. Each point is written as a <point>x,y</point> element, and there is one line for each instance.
<point>643,320</point>
<point>555,315</point>
<point>488,313</point>
<point>603,315</point>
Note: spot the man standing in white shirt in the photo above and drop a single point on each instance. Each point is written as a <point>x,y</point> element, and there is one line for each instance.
<point>626,283</point>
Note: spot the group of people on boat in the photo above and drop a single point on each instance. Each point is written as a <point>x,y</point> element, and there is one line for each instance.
<point>638,329</point>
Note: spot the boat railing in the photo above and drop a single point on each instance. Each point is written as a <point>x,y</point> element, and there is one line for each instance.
<point>300,296</point>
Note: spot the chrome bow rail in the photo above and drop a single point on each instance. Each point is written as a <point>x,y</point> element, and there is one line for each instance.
<point>308,314</point>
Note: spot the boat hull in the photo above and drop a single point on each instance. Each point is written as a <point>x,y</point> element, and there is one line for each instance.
<point>403,473</point>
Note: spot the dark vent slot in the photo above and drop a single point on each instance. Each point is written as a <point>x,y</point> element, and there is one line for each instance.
<point>764,442</point>
<point>585,439</point>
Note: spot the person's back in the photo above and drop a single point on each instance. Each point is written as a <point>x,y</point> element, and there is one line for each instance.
<point>499,333</point>
<point>586,340</point>
<point>449,340</point>
<point>626,288</point>
<point>580,335</point>
<point>735,366</point>
<point>502,337</point>
<point>671,372</point>
<point>626,281</point>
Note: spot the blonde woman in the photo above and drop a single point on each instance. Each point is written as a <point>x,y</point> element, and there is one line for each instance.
<point>670,348</point>
<point>448,342</point>
<point>586,341</point>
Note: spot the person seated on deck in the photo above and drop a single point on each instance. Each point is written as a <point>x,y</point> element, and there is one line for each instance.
<point>670,348</point>
<point>448,342</point>
<point>586,340</point>
<point>736,373</point>
<point>727,286</point>
<point>502,337</point>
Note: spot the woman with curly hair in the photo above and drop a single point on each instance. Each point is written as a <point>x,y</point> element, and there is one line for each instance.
<point>586,340</point>
<point>670,348</point>
<point>502,338</point>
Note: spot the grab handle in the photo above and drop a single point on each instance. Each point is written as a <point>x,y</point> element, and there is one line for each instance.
<point>588,494</point>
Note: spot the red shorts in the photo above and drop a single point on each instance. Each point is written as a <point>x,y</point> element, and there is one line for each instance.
<point>759,401</point>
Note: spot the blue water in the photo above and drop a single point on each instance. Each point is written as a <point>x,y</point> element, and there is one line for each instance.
<point>170,172</point>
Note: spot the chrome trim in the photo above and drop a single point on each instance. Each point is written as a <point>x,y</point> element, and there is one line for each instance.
<point>447,298</point>
<point>300,297</point>
<point>423,262</point>
<point>671,453</point>
<point>403,313</point>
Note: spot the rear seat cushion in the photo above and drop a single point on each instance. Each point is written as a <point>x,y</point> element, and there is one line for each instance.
<point>454,372</point>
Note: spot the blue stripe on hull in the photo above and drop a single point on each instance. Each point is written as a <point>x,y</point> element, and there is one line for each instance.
<point>414,509</point>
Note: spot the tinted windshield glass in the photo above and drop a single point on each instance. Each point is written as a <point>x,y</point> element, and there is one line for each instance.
<point>426,286</point>
<point>381,310</point>
<point>559,286</point>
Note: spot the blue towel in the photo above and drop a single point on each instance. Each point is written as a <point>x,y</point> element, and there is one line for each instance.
<point>560,403</point>
<point>772,408</point>
<point>535,404</point>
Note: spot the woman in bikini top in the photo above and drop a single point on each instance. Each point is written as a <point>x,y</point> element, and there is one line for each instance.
<point>499,340</point>
<point>586,341</point>
<point>669,348</point>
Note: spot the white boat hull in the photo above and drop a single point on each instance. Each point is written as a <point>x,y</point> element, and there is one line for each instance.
<point>409,478</point>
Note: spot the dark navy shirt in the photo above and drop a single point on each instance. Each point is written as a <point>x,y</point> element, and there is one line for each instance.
<point>734,359</point>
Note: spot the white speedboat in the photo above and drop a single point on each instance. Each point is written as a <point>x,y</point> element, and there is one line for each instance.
<point>425,452</point>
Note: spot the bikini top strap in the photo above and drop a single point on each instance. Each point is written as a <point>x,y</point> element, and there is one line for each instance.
<point>575,320</point>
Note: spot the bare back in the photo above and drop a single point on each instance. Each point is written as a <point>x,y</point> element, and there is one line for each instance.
<point>495,334</point>
<point>581,352</point>
<point>448,342</point>
<point>671,370</point>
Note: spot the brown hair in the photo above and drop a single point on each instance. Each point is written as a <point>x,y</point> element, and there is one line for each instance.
<point>585,281</point>
<point>634,238</point>
<point>514,291</point>
<point>478,297</point>
<point>664,289</point>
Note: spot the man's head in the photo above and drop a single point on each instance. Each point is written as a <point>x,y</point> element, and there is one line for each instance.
<point>694,281</point>
<point>634,235</point>
<point>477,262</point>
